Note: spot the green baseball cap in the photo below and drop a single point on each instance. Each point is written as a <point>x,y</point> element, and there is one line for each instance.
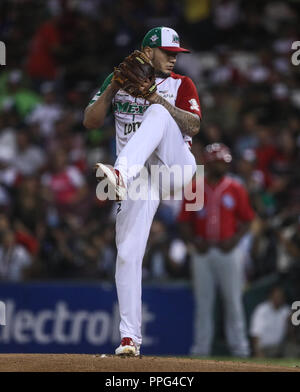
<point>163,38</point>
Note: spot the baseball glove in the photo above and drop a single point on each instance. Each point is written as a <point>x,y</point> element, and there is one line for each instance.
<point>136,75</point>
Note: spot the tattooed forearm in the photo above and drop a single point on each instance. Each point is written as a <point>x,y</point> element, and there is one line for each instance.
<point>188,123</point>
<point>95,113</point>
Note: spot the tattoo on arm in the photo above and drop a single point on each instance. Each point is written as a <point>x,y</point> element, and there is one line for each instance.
<point>94,114</point>
<point>188,123</point>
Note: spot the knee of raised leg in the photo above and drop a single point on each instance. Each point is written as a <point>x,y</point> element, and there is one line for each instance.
<point>157,109</point>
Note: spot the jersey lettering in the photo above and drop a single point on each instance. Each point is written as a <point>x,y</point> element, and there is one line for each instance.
<point>121,107</point>
<point>119,208</point>
<point>129,108</point>
<point>177,90</point>
<point>131,127</point>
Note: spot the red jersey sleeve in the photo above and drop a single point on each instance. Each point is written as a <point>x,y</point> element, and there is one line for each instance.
<point>187,97</point>
<point>244,210</point>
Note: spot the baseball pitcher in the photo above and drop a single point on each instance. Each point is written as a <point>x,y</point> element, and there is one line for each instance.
<point>157,112</point>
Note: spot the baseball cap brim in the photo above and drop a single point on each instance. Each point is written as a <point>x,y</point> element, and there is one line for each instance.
<point>174,49</point>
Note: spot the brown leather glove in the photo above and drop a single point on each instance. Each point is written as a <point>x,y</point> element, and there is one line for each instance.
<point>136,75</point>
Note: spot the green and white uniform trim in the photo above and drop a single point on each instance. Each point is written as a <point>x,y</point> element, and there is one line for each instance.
<point>153,38</point>
<point>104,86</point>
<point>164,38</point>
<point>129,111</point>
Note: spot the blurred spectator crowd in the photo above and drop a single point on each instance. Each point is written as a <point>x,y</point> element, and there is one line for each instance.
<point>58,53</point>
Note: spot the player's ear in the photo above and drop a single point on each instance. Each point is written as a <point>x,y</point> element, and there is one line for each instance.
<point>148,52</point>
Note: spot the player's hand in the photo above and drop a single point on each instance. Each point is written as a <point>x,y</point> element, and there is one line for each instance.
<point>202,246</point>
<point>153,98</point>
<point>228,245</point>
<point>114,86</point>
<point>150,98</point>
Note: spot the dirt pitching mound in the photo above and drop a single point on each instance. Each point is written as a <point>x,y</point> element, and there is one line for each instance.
<point>111,363</point>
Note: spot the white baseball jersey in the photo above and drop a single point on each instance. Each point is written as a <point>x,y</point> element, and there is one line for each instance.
<point>179,90</point>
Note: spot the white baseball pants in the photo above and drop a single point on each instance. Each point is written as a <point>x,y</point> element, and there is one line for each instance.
<point>209,271</point>
<point>158,141</point>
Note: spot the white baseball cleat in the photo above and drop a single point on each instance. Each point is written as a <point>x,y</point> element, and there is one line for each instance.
<point>128,347</point>
<point>114,178</point>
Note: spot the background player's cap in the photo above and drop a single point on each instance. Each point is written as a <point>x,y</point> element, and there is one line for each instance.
<point>163,38</point>
<point>217,152</point>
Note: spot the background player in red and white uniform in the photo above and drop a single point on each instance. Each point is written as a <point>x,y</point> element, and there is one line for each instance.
<point>156,131</point>
<point>215,231</point>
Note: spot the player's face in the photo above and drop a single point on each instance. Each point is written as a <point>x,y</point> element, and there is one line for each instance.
<point>217,169</point>
<point>163,61</point>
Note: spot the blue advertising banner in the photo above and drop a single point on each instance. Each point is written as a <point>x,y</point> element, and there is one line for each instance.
<point>83,318</point>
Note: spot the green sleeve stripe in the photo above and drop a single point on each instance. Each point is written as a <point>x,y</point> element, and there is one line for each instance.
<point>106,83</point>
<point>104,86</point>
